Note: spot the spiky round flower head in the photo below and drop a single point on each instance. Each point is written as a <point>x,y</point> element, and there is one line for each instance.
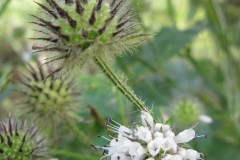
<point>46,97</point>
<point>186,112</point>
<point>78,30</point>
<point>20,142</point>
<point>148,141</point>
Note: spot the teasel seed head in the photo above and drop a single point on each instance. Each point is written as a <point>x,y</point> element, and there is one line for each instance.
<point>45,97</point>
<point>78,30</point>
<point>20,142</point>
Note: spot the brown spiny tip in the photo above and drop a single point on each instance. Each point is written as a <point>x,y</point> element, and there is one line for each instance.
<point>99,5</point>
<point>69,1</point>
<point>92,19</point>
<point>79,7</point>
<point>84,33</point>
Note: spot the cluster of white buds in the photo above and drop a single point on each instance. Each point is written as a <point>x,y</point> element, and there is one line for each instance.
<point>148,141</point>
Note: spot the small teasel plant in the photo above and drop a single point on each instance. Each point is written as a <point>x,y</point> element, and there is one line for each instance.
<point>47,98</point>
<point>19,141</point>
<point>187,111</point>
<point>72,32</point>
<point>149,140</point>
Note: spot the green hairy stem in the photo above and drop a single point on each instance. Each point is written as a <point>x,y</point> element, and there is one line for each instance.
<point>122,87</point>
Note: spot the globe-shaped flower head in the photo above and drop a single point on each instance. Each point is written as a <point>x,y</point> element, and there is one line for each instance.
<point>20,142</point>
<point>78,30</point>
<point>45,97</point>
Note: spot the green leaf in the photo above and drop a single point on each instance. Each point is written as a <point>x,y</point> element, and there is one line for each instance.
<point>170,41</point>
<point>170,120</point>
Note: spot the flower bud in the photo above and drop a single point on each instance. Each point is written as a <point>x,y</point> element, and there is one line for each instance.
<point>186,112</point>
<point>185,136</point>
<point>147,120</point>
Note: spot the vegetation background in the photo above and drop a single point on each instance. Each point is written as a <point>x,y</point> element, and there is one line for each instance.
<point>190,67</point>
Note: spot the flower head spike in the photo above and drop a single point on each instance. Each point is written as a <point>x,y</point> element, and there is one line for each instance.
<point>149,141</point>
<point>76,30</point>
<point>47,97</point>
<point>20,142</point>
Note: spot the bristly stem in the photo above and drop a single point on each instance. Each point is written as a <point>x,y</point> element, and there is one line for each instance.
<point>122,87</point>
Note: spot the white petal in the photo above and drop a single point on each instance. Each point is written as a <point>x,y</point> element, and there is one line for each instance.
<point>185,136</point>
<point>121,138</point>
<point>169,134</point>
<point>114,142</point>
<point>155,146</point>
<point>173,157</point>
<point>126,132</point>
<point>159,141</point>
<point>120,156</point>
<point>136,151</point>
<point>114,147</point>
<point>166,128</point>
<point>205,119</point>
<point>158,127</point>
<point>125,145</point>
<point>147,119</point>
<point>150,158</point>
<point>158,134</point>
<point>153,150</point>
<point>143,133</point>
<point>182,151</point>
<point>192,155</point>
<point>169,145</point>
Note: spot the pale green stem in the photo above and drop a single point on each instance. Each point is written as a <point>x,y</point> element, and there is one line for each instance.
<point>122,87</point>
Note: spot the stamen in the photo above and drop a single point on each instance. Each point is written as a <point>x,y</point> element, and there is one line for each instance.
<point>201,136</point>
<point>115,122</point>
<point>103,157</point>
<point>105,138</point>
<point>113,128</point>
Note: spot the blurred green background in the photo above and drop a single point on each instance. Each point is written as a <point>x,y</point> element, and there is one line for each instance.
<point>189,69</point>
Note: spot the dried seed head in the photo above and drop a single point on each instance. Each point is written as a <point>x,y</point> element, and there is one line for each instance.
<point>44,97</point>
<point>20,142</point>
<point>77,30</point>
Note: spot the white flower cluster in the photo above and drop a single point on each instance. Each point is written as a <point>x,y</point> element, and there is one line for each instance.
<point>149,141</point>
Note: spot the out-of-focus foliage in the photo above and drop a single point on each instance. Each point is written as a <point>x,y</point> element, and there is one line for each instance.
<point>193,54</point>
